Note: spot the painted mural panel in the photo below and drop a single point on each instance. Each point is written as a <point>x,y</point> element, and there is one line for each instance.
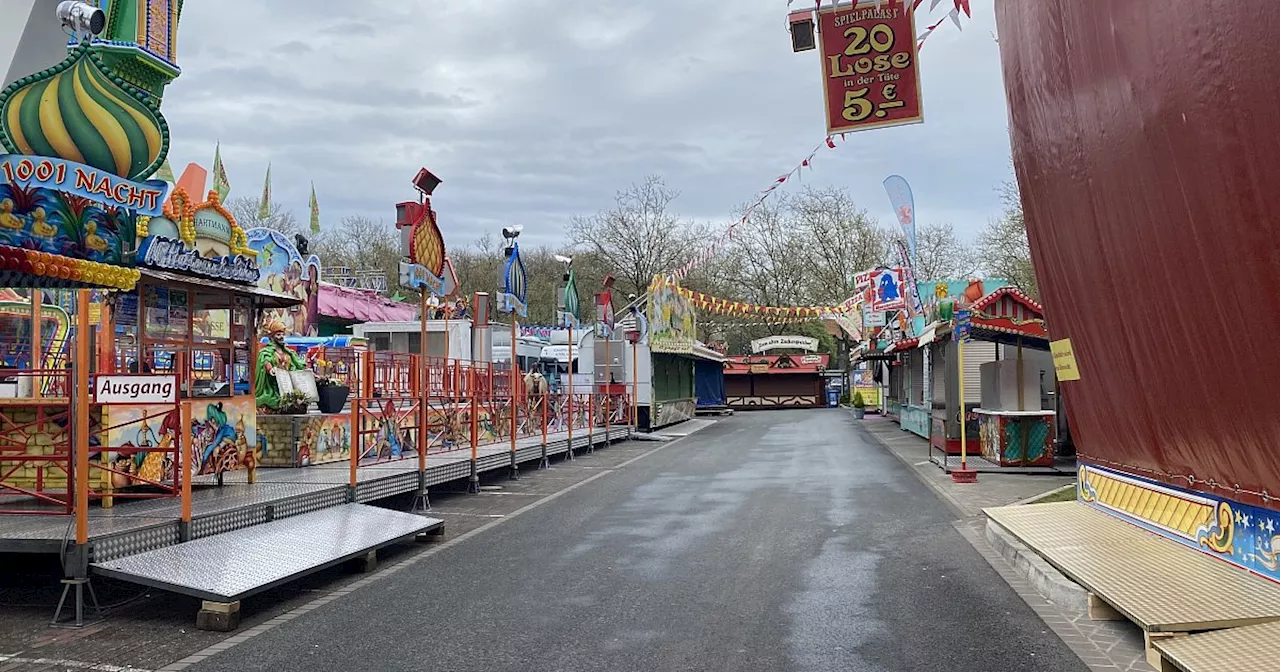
<point>149,427</point>
<point>286,271</point>
<point>302,440</point>
<point>673,324</point>
<point>671,412</point>
<point>225,435</point>
<point>1016,440</point>
<point>1242,534</point>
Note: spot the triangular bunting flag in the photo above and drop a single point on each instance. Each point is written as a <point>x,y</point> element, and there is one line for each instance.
<point>264,208</point>
<point>315,210</point>
<point>220,183</point>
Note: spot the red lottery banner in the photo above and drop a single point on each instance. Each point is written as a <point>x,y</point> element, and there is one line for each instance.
<point>869,71</point>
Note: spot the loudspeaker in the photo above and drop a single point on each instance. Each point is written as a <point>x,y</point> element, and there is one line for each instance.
<point>802,36</point>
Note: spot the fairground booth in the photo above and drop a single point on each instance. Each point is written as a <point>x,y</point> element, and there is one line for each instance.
<point>145,354</point>
<point>179,298</point>
<point>786,380</point>
<point>675,354</point>
<point>1006,381</point>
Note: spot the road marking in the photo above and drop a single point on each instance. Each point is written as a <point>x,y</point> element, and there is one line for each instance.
<point>69,664</point>
<point>329,596</point>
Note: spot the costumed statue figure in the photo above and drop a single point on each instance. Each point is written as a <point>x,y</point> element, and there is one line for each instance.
<point>273,356</point>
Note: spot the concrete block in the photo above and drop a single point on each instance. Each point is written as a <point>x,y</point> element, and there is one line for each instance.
<point>218,616</point>
<point>1047,581</point>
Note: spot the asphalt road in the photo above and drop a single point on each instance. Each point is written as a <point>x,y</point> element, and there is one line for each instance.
<point>781,540</point>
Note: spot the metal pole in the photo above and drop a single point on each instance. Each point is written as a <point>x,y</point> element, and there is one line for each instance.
<point>608,384</point>
<point>184,444</point>
<point>964,439</point>
<point>591,421</point>
<point>635,385</point>
<point>569,400</point>
<point>542,400</point>
<point>475,429</point>
<point>81,406</point>
<point>37,338</point>
<point>515,396</point>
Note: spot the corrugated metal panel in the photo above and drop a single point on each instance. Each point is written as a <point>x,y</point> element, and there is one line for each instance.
<point>915,374</point>
<point>976,353</point>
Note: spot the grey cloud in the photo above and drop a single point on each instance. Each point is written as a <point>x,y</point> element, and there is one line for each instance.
<point>537,111</point>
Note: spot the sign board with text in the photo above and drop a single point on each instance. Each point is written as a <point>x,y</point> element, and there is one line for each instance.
<point>790,342</point>
<point>135,390</point>
<point>869,66</point>
<point>1064,360</point>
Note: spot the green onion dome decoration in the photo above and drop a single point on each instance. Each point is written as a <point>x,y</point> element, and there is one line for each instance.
<point>81,110</point>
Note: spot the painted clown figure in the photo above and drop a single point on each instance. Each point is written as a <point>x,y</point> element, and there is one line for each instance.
<point>274,356</point>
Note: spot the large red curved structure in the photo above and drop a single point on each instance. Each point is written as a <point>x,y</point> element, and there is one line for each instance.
<point>1146,141</point>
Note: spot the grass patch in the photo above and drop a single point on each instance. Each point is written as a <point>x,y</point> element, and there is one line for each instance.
<point>1063,494</point>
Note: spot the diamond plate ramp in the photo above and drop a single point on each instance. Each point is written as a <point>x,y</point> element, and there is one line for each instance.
<point>1157,583</point>
<point>234,565</point>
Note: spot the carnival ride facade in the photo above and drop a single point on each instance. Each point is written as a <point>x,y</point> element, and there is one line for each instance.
<point>130,313</point>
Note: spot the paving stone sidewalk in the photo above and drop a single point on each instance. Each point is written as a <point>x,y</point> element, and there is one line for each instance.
<point>968,498</point>
<point>1105,646</point>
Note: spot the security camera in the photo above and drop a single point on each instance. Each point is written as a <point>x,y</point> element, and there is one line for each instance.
<point>81,17</point>
<point>512,232</point>
<point>567,261</point>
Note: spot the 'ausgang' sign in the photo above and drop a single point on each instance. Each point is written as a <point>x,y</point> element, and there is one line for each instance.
<point>135,390</point>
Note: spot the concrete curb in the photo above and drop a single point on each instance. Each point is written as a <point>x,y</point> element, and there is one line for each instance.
<point>1042,576</point>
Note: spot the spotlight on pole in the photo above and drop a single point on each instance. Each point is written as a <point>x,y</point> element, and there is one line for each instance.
<point>81,18</point>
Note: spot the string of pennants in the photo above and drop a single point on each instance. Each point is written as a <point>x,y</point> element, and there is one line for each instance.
<point>712,248</point>
<point>764,321</point>
<point>720,306</point>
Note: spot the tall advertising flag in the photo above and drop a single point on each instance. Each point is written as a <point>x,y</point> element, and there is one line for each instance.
<point>904,208</point>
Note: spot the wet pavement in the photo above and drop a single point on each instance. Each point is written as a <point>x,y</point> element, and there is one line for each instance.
<point>786,540</point>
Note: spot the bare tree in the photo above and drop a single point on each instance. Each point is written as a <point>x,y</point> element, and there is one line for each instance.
<point>941,255</point>
<point>638,236</point>
<point>246,210</point>
<point>839,239</point>
<point>1003,247</point>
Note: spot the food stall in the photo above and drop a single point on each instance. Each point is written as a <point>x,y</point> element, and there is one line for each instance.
<point>776,381</point>
<point>1016,419</point>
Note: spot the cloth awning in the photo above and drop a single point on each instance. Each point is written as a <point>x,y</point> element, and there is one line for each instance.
<point>357,305</point>
<point>265,298</point>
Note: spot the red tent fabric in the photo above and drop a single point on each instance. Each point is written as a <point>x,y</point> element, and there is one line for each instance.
<point>1145,147</point>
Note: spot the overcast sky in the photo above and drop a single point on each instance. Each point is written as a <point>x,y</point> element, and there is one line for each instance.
<point>532,111</point>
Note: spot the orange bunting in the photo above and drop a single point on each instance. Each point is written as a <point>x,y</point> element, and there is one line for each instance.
<point>769,314</point>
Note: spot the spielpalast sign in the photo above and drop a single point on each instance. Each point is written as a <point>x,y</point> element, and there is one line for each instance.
<point>785,342</point>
